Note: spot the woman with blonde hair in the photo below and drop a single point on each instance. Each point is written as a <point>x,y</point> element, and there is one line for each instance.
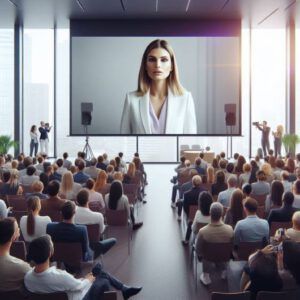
<point>266,167</point>
<point>33,225</point>
<point>101,181</point>
<point>160,105</point>
<point>278,140</point>
<point>130,175</point>
<point>245,176</point>
<point>68,188</point>
<point>210,175</point>
<point>118,176</point>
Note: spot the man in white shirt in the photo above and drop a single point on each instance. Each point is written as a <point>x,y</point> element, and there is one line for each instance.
<point>61,170</point>
<point>92,170</point>
<point>225,196</point>
<point>12,269</point>
<point>30,176</point>
<point>46,279</point>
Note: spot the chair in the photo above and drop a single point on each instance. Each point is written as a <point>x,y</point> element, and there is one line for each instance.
<point>111,295</point>
<point>245,249</point>
<point>130,190</point>
<point>215,253</point>
<point>18,215</point>
<point>119,218</point>
<point>12,295</point>
<point>231,296</point>
<point>54,215</point>
<point>68,253</point>
<point>93,233</point>
<point>261,199</point>
<point>184,147</point>
<point>263,295</point>
<point>18,249</point>
<point>183,178</point>
<point>277,225</point>
<point>50,296</point>
<point>26,189</point>
<point>17,202</point>
<point>192,212</point>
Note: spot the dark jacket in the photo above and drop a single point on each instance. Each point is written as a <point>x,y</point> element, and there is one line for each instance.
<point>191,197</point>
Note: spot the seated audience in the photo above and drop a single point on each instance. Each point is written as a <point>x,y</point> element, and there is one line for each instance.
<point>204,163</point>
<point>252,228</point>
<point>294,232</point>
<point>247,190</point>
<point>81,177</point>
<point>287,185</point>
<point>245,176</point>
<point>45,180</point>
<point>101,181</point>
<point>224,197</point>
<point>210,175</point>
<point>68,188</point>
<point>285,213</point>
<point>40,166</point>
<point>219,185</point>
<point>279,165</point>
<point>129,177</point>
<point>11,184</point>
<point>202,216</point>
<point>94,197</point>
<point>215,232</point>
<point>105,159</point>
<point>12,269</point>
<point>296,192</point>
<point>110,173</point>
<point>61,170</point>
<point>267,169</point>
<point>187,185</point>
<point>100,163</point>
<point>37,188</point>
<point>254,169</point>
<point>261,187</point>
<point>4,210</point>
<point>274,199</point>
<point>54,202</point>
<point>177,169</point>
<point>118,176</point>
<point>66,163</point>
<point>239,167</point>
<point>46,279</point>
<point>116,200</point>
<point>30,176</point>
<point>33,225</point>
<point>92,170</point>
<point>236,209</point>
<point>190,197</point>
<point>201,171</point>
<point>26,163</point>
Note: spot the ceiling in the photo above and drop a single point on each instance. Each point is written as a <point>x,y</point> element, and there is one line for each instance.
<point>46,13</point>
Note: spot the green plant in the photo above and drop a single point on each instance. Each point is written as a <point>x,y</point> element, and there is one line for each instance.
<point>290,142</point>
<point>6,143</point>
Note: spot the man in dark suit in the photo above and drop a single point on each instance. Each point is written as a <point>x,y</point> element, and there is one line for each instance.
<point>67,232</point>
<point>201,171</point>
<point>80,176</point>
<point>285,213</point>
<point>44,139</point>
<point>191,197</point>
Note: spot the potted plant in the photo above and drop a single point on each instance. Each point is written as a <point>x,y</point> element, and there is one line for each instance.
<point>6,143</point>
<point>290,142</point>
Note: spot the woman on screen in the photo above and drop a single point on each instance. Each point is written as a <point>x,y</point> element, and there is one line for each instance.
<point>160,105</point>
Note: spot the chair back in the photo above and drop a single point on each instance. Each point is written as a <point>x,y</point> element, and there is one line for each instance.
<point>130,190</point>
<point>18,249</point>
<point>93,232</point>
<point>261,212</point>
<point>192,212</point>
<point>196,147</point>
<point>183,178</point>
<point>17,202</point>
<point>199,226</point>
<point>263,295</point>
<point>277,225</point>
<point>245,249</point>
<point>261,199</point>
<point>18,215</point>
<point>105,190</point>
<point>231,296</point>
<point>116,217</point>
<point>111,295</point>
<point>68,253</point>
<point>50,296</point>
<point>12,295</point>
<point>55,215</point>
<point>217,252</point>
<point>26,188</point>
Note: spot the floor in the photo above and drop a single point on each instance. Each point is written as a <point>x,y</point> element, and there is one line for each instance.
<point>158,261</point>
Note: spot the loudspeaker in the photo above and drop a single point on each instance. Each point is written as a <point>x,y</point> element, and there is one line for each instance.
<point>86,113</point>
<point>230,118</point>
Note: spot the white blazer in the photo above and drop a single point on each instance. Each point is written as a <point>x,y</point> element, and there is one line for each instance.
<point>181,118</point>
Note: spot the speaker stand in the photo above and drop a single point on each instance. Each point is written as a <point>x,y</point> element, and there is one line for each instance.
<point>87,150</point>
<point>229,132</point>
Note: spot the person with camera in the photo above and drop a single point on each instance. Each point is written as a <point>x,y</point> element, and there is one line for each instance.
<point>265,132</point>
<point>44,129</point>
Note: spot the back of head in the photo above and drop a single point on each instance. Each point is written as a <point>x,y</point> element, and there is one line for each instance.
<point>296,220</point>
<point>53,188</point>
<point>236,156</point>
<point>198,161</point>
<point>100,159</point>
<point>201,155</point>
<point>232,181</point>
<point>251,205</point>
<point>27,161</point>
<point>236,205</point>
<point>6,176</point>
<point>216,211</point>
<point>247,189</point>
<point>30,170</point>
<point>93,162</point>
<point>120,154</point>
<point>230,167</point>
<point>65,155</point>
<point>297,187</point>
<point>116,192</point>
<point>288,198</point>
<point>59,162</point>
<point>223,164</point>
<point>285,175</point>
<point>40,250</point>
<point>204,202</point>
<point>279,163</point>
<point>81,165</point>
<point>7,230</point>
<point>37,186</point>
<point>277,190</point>
<point>220,177</point>
<point>90,184</point>
<point>182,159</point>
<point>196,180</point>
<point>82,197</point>
<point>261,176</point>
<point>246,168</point>
<point>222,155</point>
<point>68,210</point>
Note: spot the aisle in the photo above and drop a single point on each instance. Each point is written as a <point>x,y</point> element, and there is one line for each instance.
<point>158,261</point>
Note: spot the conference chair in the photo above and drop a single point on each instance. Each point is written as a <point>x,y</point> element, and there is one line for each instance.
<point>50,296</point>
<point>261,199</point>
<point>18,215</point>
<point>277,225</point>
<point>231,296</point>
<point>263,295</point>
<point>214,253</point>
<point>119,219</point>
<point>111,295</point>
<point>18,249</point>
<point>17,202</point>
<point>245,249</point>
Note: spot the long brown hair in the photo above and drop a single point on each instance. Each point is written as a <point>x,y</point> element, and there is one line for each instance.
<point>100,181</point>
<point>144,81</point>
<point>32,204</point>
<point>236,206</point>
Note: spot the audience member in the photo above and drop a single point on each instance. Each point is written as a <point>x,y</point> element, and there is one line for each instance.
<point>224,197</point>
<point>101,181</point>
<point>68,188</point>
<point>294,232</point>
<point>274,199</point>
<point>66,163</point>
<point>100,163</point>
<point>94,197</point>
<point>247,190</point>
<point>54,202</point>
<point>61,169</point>
<point>245,176</point>
<point>235,211</point>
<point>33,225</point>
<point>92,170</point>
<point>219,185</point>
<point>261,187</point>
<point>81,177</point>
<point>37,188</point>
<point>12,269</point>
<point>296,191</point>
<point>10,184</point>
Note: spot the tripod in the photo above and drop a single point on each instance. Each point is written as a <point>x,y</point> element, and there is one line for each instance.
<point>87,150</point>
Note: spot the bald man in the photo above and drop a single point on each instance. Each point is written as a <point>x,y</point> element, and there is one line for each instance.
<point>294,232</point>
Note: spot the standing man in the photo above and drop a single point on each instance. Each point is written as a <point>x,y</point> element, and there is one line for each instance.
<point>44,139</point>
<point>265,131</point>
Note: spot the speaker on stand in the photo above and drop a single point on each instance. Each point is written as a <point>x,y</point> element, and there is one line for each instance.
<point>230,121</point>
<point>86,120</point>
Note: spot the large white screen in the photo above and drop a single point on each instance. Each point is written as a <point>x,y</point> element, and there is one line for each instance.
<point>104,69</point>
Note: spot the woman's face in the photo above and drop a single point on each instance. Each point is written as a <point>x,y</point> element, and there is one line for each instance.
<point>158,64</point>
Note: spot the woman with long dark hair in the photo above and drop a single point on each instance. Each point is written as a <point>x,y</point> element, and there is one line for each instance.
<point>116,200</point>
<point>274,199</point>
<point>236,209</point>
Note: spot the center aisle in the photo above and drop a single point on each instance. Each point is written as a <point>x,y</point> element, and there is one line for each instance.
<point>158,261</point>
